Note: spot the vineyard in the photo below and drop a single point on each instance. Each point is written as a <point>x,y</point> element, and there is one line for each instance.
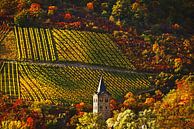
<point>69,84</point>
<point>98,64</point>
<point>9,79</point>
<point>89,47</point>
<point>38,44</point>
<point>34,44</point>
<point>44,79</point>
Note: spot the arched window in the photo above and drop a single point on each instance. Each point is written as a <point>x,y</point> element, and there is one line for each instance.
<point>106,99</point>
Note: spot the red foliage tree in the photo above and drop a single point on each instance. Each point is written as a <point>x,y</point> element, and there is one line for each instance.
<point>68,16</point>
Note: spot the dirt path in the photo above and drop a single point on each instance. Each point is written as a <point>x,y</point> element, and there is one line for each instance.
<point>89,66</point>
<point>80,65</point>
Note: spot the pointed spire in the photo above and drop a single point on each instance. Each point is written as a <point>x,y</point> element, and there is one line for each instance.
<point>101,86</point>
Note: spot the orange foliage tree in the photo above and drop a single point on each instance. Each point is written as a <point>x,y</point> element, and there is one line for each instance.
<point>35,7</point>
<point>90,6</point>
<point>22,4</point>
<point>52,10</point>
<point>113,104</point>
<point>176,109</point>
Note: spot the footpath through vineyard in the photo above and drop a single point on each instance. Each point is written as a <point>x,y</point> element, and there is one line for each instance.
<point>67,81</point>
<point>80,65</point>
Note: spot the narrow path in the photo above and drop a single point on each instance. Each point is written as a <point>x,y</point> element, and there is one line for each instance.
<point>80,65</point>
<point>89,66</point>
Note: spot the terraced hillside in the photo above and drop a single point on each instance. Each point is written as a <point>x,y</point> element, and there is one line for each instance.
<point>65,65</point>
<point>34,44</point>
<point>89,47</point>
<point>72,84</point>
<point>55,45</point>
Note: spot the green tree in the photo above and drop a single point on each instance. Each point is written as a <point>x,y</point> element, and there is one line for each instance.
<point>130,13</point>
<point>121,10</point>
<point>91,121</point>
<point>129,120</point>
<point>21,19</point>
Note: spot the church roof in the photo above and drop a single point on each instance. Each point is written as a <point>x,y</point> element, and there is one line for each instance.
<point>101,87</point>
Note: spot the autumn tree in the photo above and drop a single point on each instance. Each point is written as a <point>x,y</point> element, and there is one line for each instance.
<point>91,121</point>
<point>176,108</point>
<point>128,119</point>
<point>46,3</point>
<point>21,19</point>
<point>23,4</point>
<point>156,50</point>
<point>126,12</point>
<point>121,11</point>
<point>8,7</point>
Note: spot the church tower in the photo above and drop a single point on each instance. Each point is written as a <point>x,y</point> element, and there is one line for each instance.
<point>101,100</point>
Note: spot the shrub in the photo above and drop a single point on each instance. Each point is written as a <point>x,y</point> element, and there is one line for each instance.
<point>21,19</point>
<point>128,119</point>
<point>91,121</point>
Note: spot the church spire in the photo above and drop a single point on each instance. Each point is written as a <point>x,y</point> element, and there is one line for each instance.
<point>101,100</point>
<point>101,86</point>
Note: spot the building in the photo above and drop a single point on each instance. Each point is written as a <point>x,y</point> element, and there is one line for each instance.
<point>101,100</point>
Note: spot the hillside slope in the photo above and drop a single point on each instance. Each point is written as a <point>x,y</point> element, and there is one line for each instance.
<point>72,84</point>
<point>56,45</point>
<point>65,65</point>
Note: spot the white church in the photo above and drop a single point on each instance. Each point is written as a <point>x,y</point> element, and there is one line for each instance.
<point>101,100</point>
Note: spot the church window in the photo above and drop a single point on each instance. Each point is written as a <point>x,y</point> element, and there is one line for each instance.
<point>106,99</point>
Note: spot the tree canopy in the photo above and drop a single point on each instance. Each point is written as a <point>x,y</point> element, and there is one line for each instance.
<point>8,6</point>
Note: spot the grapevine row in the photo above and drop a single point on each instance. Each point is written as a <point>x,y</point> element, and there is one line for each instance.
<point>37,44</point>
<point>9,79</point>
<point>74,83</point>
<point>34,44</point>
<point>88,47</point>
